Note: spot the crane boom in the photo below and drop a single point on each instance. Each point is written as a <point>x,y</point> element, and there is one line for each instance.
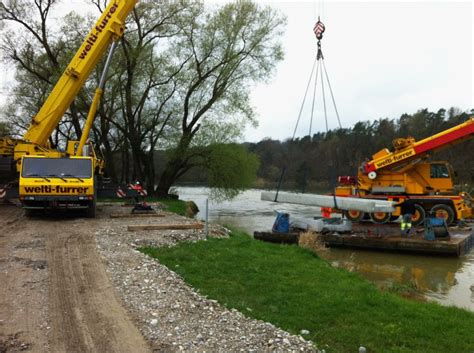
<point>407,172</point>
<point>50,178</point>
<point>111,25</point>
<point>416,149</point>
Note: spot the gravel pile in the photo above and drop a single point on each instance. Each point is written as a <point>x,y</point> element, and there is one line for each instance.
<point>171,314</point>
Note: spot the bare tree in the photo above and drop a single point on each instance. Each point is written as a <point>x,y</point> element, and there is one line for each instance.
<point>37,53</point>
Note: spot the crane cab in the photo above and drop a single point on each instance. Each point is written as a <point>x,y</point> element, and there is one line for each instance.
<point>48,183</point>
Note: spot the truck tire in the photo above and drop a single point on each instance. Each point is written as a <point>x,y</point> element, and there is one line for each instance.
<point>380,217</point>
<point>91,210</point>
<point>419,216</point>
<point>354,216</point>
<point>444,211</point>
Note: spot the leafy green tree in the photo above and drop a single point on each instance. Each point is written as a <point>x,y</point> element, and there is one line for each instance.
<point>231,169</point>
<point>136,112</point>
<point>227,50</point>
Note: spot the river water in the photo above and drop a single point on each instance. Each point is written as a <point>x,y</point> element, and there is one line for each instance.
<point>443,279</point>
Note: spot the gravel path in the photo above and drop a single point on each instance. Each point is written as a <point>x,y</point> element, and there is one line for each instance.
<point>55,295</point>
<point>168,312</point>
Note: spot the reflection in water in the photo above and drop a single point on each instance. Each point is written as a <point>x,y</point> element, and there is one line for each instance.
<point>446,280</point>
<point>424,273</point>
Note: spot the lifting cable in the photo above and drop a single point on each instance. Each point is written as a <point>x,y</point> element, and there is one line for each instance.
<point>318,30</point>
<point>320,66</point>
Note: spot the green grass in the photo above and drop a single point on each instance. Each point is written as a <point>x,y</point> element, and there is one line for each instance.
<point>173,205</point>
<point>176,206</point>
<point>294,289</point>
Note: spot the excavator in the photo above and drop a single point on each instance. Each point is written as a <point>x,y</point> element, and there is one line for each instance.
<point>408,171</point>
<point>45,178</point>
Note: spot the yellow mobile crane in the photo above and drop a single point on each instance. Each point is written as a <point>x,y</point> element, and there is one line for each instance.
<point>408,171</point>
<point>50,178</point>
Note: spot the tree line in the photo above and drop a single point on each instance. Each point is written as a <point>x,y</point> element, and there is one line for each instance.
<point>313,163</point>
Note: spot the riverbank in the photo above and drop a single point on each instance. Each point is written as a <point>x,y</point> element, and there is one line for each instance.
<point>294,289</point>
<point>177,206</point>
<point>441,279</point>
<point>171,314</point>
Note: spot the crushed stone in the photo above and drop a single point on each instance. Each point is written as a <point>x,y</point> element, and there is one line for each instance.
<point>171,314</point>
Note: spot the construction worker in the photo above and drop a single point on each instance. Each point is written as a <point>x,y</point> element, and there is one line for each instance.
<point>140,193</point>
<point>407,210</point>
<point>138,188</point>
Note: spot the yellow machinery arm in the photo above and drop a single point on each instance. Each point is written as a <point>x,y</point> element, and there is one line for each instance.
<point>408,149</point>
<point>392,175</point>
<point>109,27</point>
<point>95,103</point>
<point>52,179</point>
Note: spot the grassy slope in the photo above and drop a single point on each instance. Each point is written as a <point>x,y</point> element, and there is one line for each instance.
<point>294,289</point>
<point>176,206</point>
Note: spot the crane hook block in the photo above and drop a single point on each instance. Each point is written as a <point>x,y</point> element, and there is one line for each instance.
<point>319,29</point>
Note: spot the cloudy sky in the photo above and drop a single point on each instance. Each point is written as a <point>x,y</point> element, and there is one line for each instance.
<point>384,58</point>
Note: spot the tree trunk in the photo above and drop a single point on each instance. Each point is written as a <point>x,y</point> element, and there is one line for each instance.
<point>174,166</point>
<point>149,170</point>
<point>108,153</point>
<point>169,176</point>
<point>136,149</point>
<point>109,162</point>
<point>125,163</point>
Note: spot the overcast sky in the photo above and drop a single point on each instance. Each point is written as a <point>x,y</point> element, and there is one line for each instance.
<point>384,58</point>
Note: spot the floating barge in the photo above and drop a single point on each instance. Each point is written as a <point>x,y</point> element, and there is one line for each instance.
<point>388,238</point>
<point>280,238</point>
<point>385,237</point>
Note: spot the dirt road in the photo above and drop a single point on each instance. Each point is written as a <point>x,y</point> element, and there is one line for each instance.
<point>54,294</point>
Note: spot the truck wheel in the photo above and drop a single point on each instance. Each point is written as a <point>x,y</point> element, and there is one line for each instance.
<point>443,211</point>
<point>419,216</point>
<point>91,210</point>
<point>354,216</point>
<point>380,217</point>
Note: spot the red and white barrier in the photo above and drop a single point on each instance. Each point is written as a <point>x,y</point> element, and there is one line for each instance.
<point>120,193</point>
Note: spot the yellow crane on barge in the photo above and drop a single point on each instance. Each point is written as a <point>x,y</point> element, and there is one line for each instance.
<point>408,170</point>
